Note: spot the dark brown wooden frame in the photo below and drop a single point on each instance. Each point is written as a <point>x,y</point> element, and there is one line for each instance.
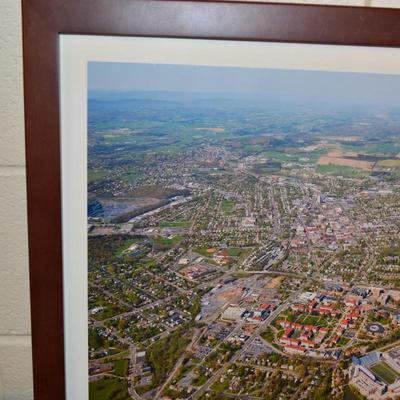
<point>44,20</point>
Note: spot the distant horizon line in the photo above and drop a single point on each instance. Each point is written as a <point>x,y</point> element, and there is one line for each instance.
<point>110,95</point>
<point>237,93</point>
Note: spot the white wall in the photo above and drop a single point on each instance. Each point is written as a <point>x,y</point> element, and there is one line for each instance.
<point>15,343</point>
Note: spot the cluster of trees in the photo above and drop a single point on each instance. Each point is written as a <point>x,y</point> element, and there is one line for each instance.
<point>163,354</point>
<point>97,341</point>
<point>104,249</point>
<point>268,335</point>
<point>324,390</point>
<point>384,341</point>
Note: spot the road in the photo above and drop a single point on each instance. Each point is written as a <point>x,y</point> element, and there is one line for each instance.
<point>132,374</point>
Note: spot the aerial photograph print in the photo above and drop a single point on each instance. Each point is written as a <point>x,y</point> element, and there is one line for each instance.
<point>243,233</point>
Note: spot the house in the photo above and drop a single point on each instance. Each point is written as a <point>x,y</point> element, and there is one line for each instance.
<point>308,343</point>
<point>289,341</point>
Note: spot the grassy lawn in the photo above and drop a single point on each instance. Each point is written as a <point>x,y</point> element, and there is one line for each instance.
<point>201,379</point>
<point>318,320</point>
<point>268,335</point>
<point>385,372</point>
<point>234,251</point>
<point>343,341</point>
<point>117,356</point>
<point>109,310</point>
<point>352,394</point>
<point>121,367</point>
<point>296,334</point>
<point>326,321</point>
<point>125,246</point>
<point>305,319</point>
<point>309,320</point>
<point>227,206</point>
<point>203,251</point>
<point>220,387</point>
<point>109,389</point>
<point>165,243</point>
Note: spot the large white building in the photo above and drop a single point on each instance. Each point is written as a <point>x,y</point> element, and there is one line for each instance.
<point>233,313</point>
<point>366,383</point>
<point>307,296</point>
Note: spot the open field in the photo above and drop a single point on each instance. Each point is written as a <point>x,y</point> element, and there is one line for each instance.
<point>107,389</point>
<point>337,157</point>
<point>160,242</point>
<point>215,129</point>
<point>390,252</point>
<point>385,372</point>
<point>234,251</point>
<point>206,252</point>
<point>267,168</point>
<point>389,163</point>
<point>94,175</point>
<point>227,206</point>
<point>275,282</point>
<point>121,367</point>
<point>351,394</point>
<point>339,170</point>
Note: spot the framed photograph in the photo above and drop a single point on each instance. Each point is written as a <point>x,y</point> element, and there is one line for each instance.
<point>213,200</point>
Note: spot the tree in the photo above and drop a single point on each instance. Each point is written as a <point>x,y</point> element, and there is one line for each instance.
<point>121,325</point>
<point>110,269</point>
<point>302,371</point>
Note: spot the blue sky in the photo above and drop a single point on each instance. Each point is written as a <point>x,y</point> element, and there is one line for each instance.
<point>358,87</point>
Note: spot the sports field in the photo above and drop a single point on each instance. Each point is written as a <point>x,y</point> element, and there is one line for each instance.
<point>385,372</point>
